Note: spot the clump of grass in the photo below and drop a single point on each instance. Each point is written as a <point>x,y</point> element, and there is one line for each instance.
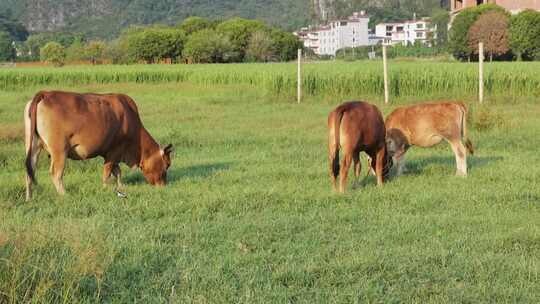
<point>38,265</point>
<point>11,133</point>
<point>486,119</point>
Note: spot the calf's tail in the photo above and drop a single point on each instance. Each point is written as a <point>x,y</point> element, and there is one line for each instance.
<point>468,143</point>
<point>30,133</point>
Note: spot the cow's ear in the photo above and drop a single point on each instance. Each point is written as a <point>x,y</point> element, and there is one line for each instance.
<point>168,149</point>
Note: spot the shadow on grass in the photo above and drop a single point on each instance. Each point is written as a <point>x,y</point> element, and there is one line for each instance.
<point>176,174</point>
<point>416,167</point>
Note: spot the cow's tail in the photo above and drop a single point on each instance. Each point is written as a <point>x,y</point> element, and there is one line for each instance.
<point>334,143</point>
<point>468,143</point>
<point>31,117</point>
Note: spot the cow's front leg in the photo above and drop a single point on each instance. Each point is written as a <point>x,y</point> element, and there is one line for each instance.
<point>118,174</point>
<point>378,166</point>
<point>107,171</point>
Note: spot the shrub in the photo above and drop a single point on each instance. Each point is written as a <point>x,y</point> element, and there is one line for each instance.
<point>525,34</point>
<point>54,53</point>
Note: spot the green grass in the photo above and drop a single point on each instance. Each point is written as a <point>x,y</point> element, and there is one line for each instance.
<point>249,215</point>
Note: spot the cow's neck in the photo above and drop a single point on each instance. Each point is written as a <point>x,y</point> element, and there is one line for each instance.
<point>148,145</point>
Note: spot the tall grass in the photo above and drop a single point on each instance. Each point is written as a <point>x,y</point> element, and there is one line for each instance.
<point>332,78</point>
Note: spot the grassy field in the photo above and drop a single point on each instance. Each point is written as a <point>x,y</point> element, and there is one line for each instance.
<point>249,215</point>
<point>407,78</point>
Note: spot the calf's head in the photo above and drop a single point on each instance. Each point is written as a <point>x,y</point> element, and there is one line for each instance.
<point>155,167</point>
<point>396,143</point>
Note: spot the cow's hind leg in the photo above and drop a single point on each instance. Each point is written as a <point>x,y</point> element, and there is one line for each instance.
<point>345,165</point>
<point>461,157</point>
<point>357,167</point>
<point>58,162</point>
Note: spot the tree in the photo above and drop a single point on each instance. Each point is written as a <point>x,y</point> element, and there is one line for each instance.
<point>440,20</point>
<point>491,28</point>
<point>525,34</point>
<point>7,51</point>
<point>458,35</point>
<point>285,44</point>
<point>75,52</point>
<point>260,47</point>
<point>94,51</point>
<point>117,52</point>
<point>154,44</point>
<point>14,28</point>
<point>238,31</point>
<point>208,46</point>
<point>54,53</point>
<point>195,24</point>
<point>35,42</point>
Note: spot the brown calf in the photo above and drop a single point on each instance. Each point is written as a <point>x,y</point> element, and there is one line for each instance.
<point>426,125</point>
<point>84,126</point>
<point>355,127</point>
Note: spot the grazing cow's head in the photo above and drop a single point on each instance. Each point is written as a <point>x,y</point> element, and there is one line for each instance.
<point>396,143</point>
<point>155,167</point>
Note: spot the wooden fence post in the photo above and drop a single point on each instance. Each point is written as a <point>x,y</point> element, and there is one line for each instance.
<point>299,89</point>
<point>385,66</point>
<point>481,72</point>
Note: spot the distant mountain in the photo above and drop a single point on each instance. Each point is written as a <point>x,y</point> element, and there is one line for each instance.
<point>106,18</point>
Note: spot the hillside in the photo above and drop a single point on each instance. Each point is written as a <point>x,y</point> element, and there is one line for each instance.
<point>105,18</point>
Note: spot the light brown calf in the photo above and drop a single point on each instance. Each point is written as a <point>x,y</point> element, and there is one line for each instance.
<point>426,125</point>
<point>356,127</point>
<point>84,126</point>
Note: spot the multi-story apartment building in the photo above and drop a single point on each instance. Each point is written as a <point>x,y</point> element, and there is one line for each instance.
<point>514,6</point>
<point>407,32</point>
<point>337,34</point>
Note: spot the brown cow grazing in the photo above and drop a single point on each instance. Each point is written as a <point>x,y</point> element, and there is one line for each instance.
<point>426,125</point>
<point>355,127</point>
<point>84,126</point>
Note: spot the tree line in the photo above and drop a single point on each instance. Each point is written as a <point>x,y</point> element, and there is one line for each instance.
<point>504,36</point>
<point>195,40</point>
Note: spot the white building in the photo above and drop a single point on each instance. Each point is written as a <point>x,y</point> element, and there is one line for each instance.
<point>407,32</point>
<point>338,34</point>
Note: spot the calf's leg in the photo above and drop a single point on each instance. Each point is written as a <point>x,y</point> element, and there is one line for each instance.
<point>118,174</point>
<point>461,157</point>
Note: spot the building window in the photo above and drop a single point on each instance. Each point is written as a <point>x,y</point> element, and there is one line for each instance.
<point>420,25</point>
<point>389,28</point>
<point>420,35</point>
<point>388,34</point>
<point>343,23</point>
<point>399,29</point>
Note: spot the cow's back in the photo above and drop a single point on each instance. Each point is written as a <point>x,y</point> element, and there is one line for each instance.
<point>89,124</point>
<point>423,123</point>
<point>363,121</point>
